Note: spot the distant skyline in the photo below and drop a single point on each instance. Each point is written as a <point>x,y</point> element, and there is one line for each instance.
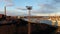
<point>39,7</point>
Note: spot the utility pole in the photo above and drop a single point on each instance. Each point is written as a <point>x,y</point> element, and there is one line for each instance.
<point>29,8</point>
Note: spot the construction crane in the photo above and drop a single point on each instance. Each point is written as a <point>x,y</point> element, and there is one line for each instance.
<point>29,13</point>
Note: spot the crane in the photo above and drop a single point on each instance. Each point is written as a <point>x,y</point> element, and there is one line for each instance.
<point>29,13</point>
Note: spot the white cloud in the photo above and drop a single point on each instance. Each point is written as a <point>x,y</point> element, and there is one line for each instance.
<point>16,13</point>
<point>10,1</point>
<point>57,1</point>
<point>1,12</point>
<point>0,0</point>
<point>46,9</point>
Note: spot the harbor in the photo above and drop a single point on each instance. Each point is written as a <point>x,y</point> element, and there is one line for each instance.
<point>29,16</point>
<point>11,25</point>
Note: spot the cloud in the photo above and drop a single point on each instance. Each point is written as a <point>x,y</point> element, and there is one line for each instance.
<point>15,13</point>
<point>0,0</point>
<point>45,9</point>
<point>56,1</point>
<point>10,4</point>
<point>1,12</point>
<point>10,1</point>
<point>52,7</point>
<point>38,14</point>
<point>49,6</point>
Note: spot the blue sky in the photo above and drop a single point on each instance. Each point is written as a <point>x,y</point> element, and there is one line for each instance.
<point>39,7</point>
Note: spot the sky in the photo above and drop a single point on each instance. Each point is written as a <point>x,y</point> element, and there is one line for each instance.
<point>39,7</point>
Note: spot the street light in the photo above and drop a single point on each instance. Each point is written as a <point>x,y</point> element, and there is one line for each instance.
<point>29,13</point>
